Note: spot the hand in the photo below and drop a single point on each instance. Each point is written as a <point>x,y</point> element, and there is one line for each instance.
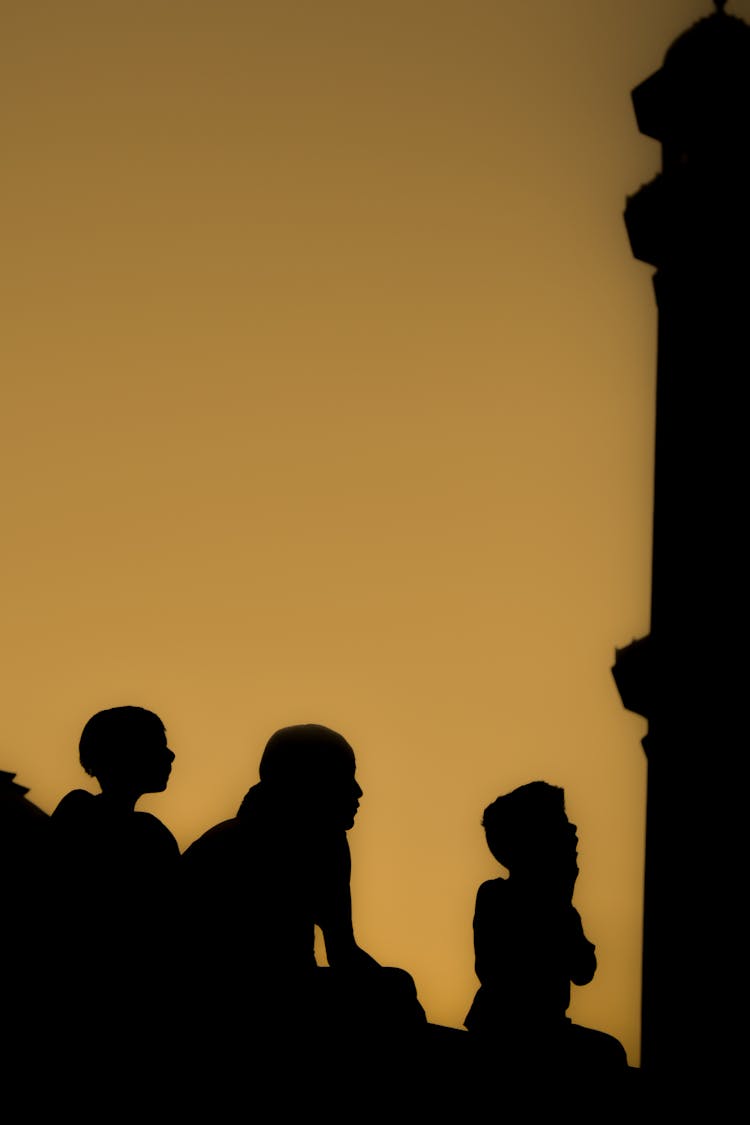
<point>571,877</point>
<point>563,876</point>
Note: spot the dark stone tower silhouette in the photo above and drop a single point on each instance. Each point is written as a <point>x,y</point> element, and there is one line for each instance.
<point>692,222</point>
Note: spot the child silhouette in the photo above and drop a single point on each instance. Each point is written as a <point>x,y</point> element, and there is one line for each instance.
<point>108,851</point>
<point>529,942</point>
<point>114,883</point>
<point>115,869</point>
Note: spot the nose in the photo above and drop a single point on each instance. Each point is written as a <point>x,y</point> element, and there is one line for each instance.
<point>357,790</point>
<point>170,754</point>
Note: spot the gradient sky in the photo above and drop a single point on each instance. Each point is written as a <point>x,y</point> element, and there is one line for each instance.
<point>327,395</point>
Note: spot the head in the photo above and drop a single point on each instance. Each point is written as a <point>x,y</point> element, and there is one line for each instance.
<point>313,768</point>
<point>125,749</point>
<point>524,825</point>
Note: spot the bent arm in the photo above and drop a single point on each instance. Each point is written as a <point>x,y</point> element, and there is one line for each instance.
<point>516,938</point>
<point>334,911</point>
<point>581,952</point>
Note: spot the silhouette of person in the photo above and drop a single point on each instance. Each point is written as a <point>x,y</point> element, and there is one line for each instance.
<point>24,857</point>
<point>529,942</point>
<point>256,886</point>
<point>109,850</point>
<point>116,872</point>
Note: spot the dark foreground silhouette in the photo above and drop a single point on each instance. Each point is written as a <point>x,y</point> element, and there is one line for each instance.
<point>149,985</point>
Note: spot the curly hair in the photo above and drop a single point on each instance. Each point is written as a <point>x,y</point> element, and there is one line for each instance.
<point>510,819</point>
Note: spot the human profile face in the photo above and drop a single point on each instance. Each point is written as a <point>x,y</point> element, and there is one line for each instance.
<point>152,762</point>
<point>337,802</point>
<point>554,835</point>
<point>573,836</point>
<point>355,792</point>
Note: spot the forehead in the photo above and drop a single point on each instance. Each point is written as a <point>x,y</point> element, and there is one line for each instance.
<point>337,762</point>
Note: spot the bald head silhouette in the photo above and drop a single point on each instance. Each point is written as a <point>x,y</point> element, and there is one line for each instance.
<point>312,769</point>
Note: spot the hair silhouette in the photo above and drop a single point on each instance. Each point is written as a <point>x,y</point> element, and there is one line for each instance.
<point>235,919</point>
<point>125,749</point>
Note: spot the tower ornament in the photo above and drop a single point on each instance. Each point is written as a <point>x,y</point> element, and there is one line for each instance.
<point>691,223</point>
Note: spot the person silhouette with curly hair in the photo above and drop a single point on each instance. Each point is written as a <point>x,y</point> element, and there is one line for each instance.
<point>529,941</point>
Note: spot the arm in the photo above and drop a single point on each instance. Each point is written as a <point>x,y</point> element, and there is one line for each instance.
<point>333,911</point>
<point>499,948</point>
<point>581,952</point>
<point>519,936</point>
<point>578,951</point>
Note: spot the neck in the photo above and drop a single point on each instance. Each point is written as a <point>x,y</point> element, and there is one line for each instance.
<point>122,800</point>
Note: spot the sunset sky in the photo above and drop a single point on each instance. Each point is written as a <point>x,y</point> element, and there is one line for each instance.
<point>328,395</point>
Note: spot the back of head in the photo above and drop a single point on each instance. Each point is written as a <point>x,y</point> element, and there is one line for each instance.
<point>514,821</point>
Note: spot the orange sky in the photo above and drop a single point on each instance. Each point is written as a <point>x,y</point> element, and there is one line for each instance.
<point>328,385</point>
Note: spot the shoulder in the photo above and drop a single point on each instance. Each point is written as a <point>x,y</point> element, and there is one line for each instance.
<point>76,799</point>
<point>493,889</point>
<point>156,832</point>
<point>74,807</point>
<point>216,840</point>
<point>492,895</point>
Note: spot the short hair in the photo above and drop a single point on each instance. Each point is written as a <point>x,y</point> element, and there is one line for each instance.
<point>109,732</point>
<point>510,820</point>
<point>305,753</point>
